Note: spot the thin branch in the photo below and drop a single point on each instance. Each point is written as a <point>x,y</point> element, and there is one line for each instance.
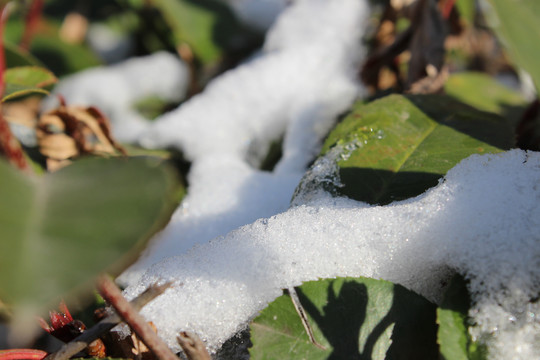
<point>82,341</point>
<point>112,294</point>
<point>193,346</point>
<point>303,317</point>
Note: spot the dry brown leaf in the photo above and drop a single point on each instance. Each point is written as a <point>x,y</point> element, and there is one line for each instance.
<point>71,131</point>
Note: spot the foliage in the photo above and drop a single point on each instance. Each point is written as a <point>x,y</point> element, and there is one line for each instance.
<point>352,318</point>
<point>397,147</point>
<point>453,336</point>
<point>26,80</point>
<point>517,25</point>
<point>82,218</point>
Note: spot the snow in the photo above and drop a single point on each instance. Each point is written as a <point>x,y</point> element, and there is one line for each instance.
<point>482,220</point>
<point>293,89</point>
<point>115,89</point>
<point>236,241</point>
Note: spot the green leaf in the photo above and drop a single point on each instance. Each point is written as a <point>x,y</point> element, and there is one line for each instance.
<point>59,230</point>
<point>58,56</point>
<point>399,146</point>
<point>352,318</point>
<point>16,57</point>
<point>152,106</point>
<point>207,26</point>
<point>453,336</point>
<point>63,58</point>
<point>27,80</point>
<point>517,24</point>
<point>467,10</point>
<point>483,92</point>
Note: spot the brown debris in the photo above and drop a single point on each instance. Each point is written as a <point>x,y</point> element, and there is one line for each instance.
<point>71,131</point>
<point>432,83</point>
<point>112,294</point>
<point>10,147</point>
<point>420,46</point>
<point>193,346</point>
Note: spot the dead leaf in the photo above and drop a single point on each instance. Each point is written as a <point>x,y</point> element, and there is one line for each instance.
<point>71,131</point>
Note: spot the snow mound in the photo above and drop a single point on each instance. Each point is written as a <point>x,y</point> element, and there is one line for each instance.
<point>293,90</point>
<point>482,220</point>
<point>114,89</point>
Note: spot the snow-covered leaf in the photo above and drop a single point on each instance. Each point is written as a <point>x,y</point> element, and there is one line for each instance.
<point>397,147</point>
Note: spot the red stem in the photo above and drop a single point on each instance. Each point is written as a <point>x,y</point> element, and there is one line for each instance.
<point>9,145</point>
<point>4,13</point>
<point>448,5</point>
<point>22,354</point>
<point>32,20</point>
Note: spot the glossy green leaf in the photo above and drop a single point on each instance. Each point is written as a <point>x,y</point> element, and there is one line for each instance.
<point>353,318</point>
<point>399,146</point>
<point>60,229</point>
<point>453,337</point>
<point>485,93</point>
<point>207,26</point>
<point>27,80</point>
<point>517,24</point>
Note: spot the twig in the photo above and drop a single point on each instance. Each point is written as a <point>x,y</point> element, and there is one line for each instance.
<point>112,294</point>
<point>300,310</point>
<point>193,346</point>
<point>82,341</point>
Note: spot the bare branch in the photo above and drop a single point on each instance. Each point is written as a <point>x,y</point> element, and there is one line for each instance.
<point>112,294</point>
<point>303,317</point>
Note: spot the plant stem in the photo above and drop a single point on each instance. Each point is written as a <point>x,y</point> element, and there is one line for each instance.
<point>82,341</point>
<point>112,294</point>
<point>32,19</point>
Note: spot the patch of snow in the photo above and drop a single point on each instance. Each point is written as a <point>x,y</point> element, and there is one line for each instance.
<point>294,88</point>
<point>482,220</point>
<point>110,45</point>
<point>114,89</point>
